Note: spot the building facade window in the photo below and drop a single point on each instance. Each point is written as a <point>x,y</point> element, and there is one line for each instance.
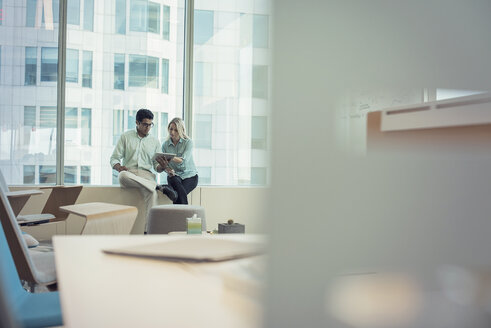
<point>73,12</point>
<point>164,120</point>
<point>71,117</point>
<point>131,121</point>
<point>30,116</point>
<point>49,64</point>
<point>118,124</point>
<point>260,31</point>
<point>86,122</point>
<point>120,20</point>
<point>89,15</point>
<point>259,132</point>
<point>138,15</point>
<point>258,176</point>
<point>144,16</point>
<point>37,13</point>
<point>166,22</point>
<point>119,71</point>
<point>85,174</point>
<point>50,14</point>
<point>203,130</point>
<point>31,13</point>
<point>47,117</point>
<point>204,173</point>
<point>87,69</point>
<point>203,79</point>
<point>72,65</point>
<point>29,174</point>
<point>30,75</point>
<point>203,26</point>
<point>165,75</point>
<point>260,81</point>
<point>154,17</point>
<point>143,72</point>
<point>47,174</point>
<point>70,174</point>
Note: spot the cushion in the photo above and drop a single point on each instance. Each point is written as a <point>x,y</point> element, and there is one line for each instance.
<point>30,240</point>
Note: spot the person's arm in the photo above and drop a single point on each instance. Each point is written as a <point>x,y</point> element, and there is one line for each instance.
<point>187,152</point>
<point>164,164</point>
<point>118,153</point>
<point>158,165</point>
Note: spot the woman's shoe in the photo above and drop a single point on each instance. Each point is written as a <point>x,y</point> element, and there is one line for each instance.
<point>168,191</point>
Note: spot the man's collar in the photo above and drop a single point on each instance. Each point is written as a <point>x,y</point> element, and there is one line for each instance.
<point>138,135</point>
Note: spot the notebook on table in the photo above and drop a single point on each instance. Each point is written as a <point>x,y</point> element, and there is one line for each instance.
<point>194,249</point>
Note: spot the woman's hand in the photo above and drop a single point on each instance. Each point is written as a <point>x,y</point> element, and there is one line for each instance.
<point>177,160</point>
<point>170,172</point>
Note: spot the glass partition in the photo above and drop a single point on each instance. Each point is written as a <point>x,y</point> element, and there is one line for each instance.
<point>231,91</point>
<point>130,56</point>
<point>28,89</point>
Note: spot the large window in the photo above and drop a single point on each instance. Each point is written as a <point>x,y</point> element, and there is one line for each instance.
<point>231,67</point>
<point>28,91</point>
<point>123,55</point>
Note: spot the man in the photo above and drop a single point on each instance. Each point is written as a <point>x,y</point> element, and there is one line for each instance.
<point>132,158</point>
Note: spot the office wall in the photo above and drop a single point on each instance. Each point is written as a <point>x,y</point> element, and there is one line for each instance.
<point>245,205</point>
<point>357,216</point>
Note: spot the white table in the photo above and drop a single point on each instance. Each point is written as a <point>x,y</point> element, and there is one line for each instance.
<point>104,218</point>
<point>100,290</point>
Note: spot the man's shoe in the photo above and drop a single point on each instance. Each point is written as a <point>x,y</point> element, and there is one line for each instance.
<point>168,191</point>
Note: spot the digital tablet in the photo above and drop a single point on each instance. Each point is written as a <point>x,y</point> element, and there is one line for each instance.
<point>167,156</point>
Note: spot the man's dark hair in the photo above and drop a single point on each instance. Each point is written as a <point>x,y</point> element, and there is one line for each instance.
<point>143,114</point>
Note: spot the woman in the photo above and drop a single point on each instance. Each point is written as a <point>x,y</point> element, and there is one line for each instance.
<point>182,175</point>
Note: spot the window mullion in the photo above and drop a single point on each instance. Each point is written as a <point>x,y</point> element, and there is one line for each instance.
<point>60,95</point>
<point>188,67</point>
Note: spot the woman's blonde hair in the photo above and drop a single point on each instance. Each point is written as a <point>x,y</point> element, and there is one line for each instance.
<point>181,129</point>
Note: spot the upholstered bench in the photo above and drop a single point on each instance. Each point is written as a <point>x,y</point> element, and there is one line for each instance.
<point>163,219</point>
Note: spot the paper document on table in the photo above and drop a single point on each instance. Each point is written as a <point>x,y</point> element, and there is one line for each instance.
<point>193,249</point>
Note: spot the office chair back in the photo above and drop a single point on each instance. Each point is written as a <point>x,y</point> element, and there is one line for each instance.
<point>19,308</point>
<point>40,273</point>
<point>3,184</point>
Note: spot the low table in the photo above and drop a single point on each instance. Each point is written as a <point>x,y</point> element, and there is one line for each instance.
<point>104,218</point>
<point>125,291</point>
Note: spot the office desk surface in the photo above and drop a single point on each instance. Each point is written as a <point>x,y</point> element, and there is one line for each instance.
<point>101,290</point>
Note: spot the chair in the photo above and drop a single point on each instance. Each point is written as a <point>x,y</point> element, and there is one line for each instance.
<point>59,196</point>
<point>163,219</point>
<point>18,308</point>
<point>33,267</point>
